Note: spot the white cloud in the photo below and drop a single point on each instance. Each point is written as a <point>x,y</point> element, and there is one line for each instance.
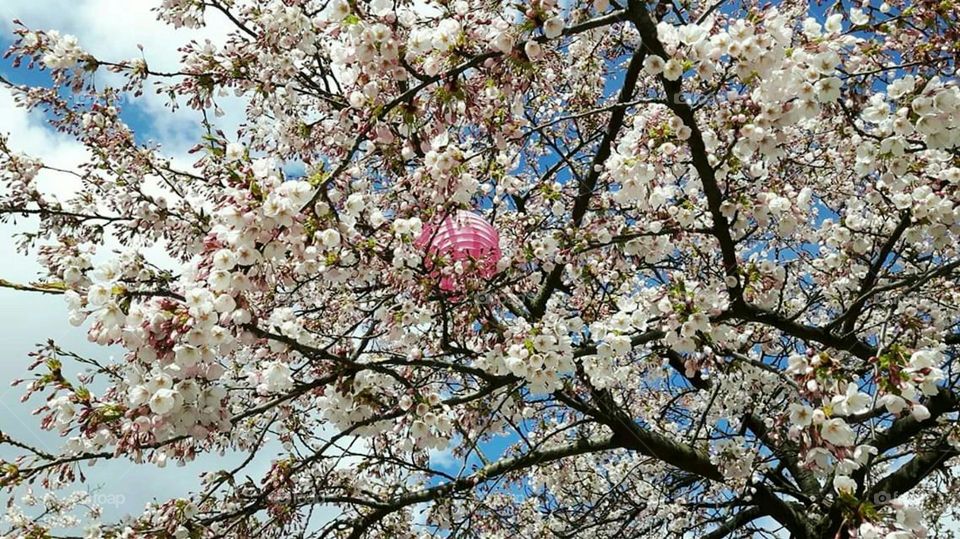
<point>112,29</point>
<point>116,31</point>
<point>29,134</point>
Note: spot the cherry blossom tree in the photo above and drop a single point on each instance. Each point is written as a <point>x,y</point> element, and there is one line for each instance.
<point>727,303</point>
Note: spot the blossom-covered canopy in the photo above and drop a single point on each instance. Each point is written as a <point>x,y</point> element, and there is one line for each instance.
<point>723,302</point>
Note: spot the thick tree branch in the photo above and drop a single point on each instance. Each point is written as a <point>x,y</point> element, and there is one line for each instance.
<point>913,472</point>
<point>585,188</point>
<point>735,522</point>
<point>849,318</point>
<point>904,429</point>
<point>698,150</point>
<point>484,474</point>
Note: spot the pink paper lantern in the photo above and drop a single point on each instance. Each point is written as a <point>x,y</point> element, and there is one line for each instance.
<point>462,236</point>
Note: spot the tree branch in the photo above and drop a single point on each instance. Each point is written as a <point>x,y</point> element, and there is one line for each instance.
<point>586,187</point>
<point>482,475</point>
